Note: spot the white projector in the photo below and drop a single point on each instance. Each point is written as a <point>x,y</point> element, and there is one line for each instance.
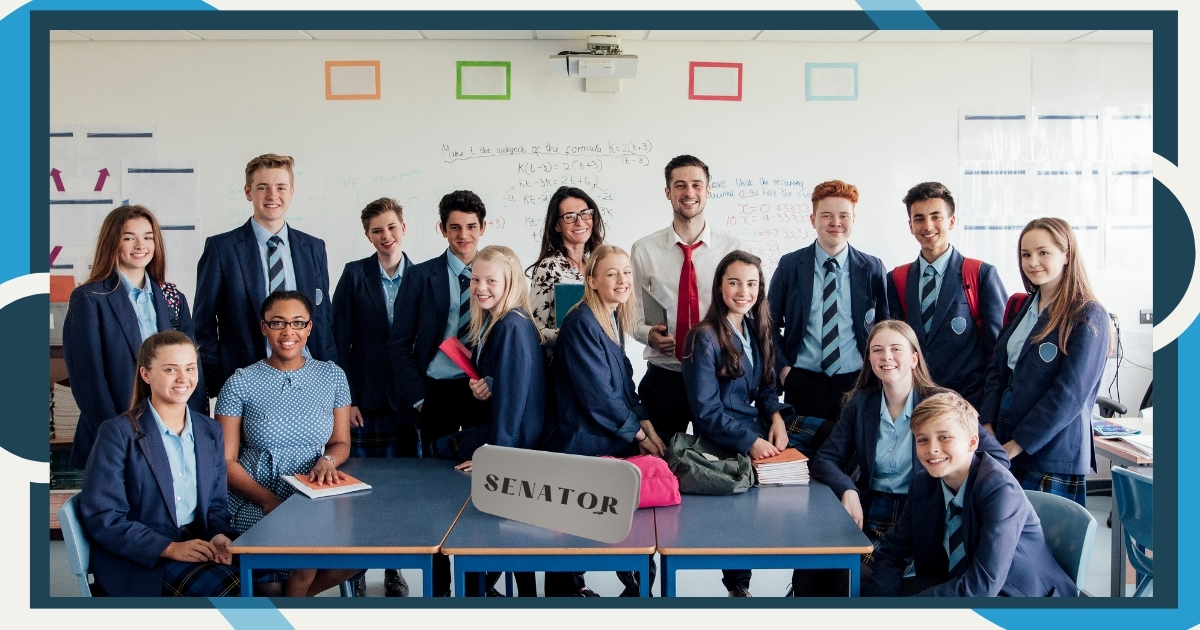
<point>602,59</point>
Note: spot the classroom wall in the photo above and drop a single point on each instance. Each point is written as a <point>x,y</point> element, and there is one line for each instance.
<point>218,103</point>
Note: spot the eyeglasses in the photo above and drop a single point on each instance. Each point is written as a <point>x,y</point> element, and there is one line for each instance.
<point>572,217</point>
<point>278,324</point>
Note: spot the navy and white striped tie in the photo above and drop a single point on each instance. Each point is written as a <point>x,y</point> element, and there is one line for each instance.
<point>464,304</point>
<point>928,296</point>
<point>274,265</point>
<point>829,327</point>
<point>955,548</point>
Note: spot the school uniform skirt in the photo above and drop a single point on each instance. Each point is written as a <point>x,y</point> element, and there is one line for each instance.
<point>199,579</point>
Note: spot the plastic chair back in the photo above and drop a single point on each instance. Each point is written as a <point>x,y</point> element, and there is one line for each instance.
<point>79,548</point>
<point>1069,529</point>
<point>1134,495</point>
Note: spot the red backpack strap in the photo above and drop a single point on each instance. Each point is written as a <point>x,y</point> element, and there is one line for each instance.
<point>1016,302</point>
<point>900,280</point>
<point>970,274</point>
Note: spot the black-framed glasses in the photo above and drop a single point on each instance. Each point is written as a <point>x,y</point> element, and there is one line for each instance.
<point>572,217</point>
<point>279,324</point>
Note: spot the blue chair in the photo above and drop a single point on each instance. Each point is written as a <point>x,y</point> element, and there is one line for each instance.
<point>1069,529</point>
<point>79,548</point>
<point>1134,495</point>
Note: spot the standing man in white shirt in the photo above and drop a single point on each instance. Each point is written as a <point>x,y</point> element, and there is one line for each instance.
<point>676,265</point>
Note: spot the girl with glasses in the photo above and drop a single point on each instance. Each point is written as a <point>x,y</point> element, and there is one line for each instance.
<point>573,230</point>
<point>284,415</point>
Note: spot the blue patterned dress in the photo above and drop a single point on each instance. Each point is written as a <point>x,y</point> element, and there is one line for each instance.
<point>287,418</point>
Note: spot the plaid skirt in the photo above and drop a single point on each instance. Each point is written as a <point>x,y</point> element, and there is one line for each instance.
<point>803,430</point>
<point>1073,487</point>
<point>200,579</point>
<point>383,435</point>
<point>882,512</point>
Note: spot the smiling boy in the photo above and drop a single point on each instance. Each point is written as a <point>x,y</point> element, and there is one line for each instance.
<point>967,526</point>
<point>239,268</point>
<point>824,300</point>
<point>954,304</point>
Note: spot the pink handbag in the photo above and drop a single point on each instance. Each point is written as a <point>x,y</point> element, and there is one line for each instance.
<point>660,487</point>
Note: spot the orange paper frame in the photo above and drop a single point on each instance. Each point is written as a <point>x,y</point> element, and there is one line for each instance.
<point>330,96</point>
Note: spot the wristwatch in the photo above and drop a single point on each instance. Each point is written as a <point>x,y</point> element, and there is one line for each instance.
<point>328,458</point>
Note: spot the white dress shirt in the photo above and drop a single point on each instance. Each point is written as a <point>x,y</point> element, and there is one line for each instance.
<point>657,261</point>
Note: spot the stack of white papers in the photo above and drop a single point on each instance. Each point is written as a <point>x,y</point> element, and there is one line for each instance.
<point>1143,443</point>
<point>66,412</point>
<point>785,469</point>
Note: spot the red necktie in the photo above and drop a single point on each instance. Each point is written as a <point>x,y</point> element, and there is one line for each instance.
<point>687,312</point>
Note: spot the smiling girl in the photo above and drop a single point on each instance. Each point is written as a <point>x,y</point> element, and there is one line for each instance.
<point>728,370</point>
<point>143,547</point>
<point>874,436</point>
<point>124,301</point>
<point>1045,374</point>
<point>284,415</point>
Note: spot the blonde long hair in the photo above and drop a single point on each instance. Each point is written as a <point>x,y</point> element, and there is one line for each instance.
<point>626,313</point>
<point>516,292</point>
<point>1074,291</point>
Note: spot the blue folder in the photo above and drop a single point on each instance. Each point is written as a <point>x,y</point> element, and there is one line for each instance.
<point>565,296</point>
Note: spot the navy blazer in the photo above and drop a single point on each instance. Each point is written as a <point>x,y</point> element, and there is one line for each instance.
<point>512,356</point>
<point>955,350</point>
<point>599,411</point>
<point>791,293</point>
<point>101,341</point>
<point>422,307</point>
<point>127,502</point>
<point>1006,551</point>
<point>230,289</point>
<point>852,444</point>
<point>731,412</point>
<point>1052,394</point>
<point>361,330</point>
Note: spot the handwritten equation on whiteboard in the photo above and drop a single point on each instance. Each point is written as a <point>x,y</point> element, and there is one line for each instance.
<point>538,170</point>
<point>770,214</point>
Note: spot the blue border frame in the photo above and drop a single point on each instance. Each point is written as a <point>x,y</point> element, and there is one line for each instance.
<point>1173,236</point>
<point>808,96</point>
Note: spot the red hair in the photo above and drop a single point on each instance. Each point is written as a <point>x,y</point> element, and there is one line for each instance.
<point>834,188</point>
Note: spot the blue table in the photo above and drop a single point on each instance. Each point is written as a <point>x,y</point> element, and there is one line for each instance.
<point>786,527</point>
<point>482,542</point>
<point>400,523</point>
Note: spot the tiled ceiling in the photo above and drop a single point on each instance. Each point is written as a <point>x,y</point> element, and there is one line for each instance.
<point>1030,36</point>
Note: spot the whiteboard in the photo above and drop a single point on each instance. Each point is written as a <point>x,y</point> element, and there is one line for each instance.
<point>220,103</point>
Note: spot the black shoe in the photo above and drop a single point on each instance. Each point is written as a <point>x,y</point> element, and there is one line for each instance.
<point>586,592</point>
<point>394,583</point>
<point>360,585</point>
<point>740,592</point>
<point>492,592</point>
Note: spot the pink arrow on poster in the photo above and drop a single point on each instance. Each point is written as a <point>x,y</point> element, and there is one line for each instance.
<point>56,175</point>
<point>54,253</point>
<point>100,180</point>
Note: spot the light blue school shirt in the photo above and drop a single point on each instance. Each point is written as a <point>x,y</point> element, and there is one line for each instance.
<point>747,349</point>
<point>809,358</point>
<point>143,305</point>
<point>441,367</point>
<point>893,449</point>
<point>289,273</point>
<point>391,286</point>
<point>1021,333</point>
<point>181,453</point>
<point>939,266</point>
<point>957,498</point>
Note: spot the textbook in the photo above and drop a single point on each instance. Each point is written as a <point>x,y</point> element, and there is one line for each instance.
<point>565,297</point>
<point>312,490</point>
<point>788,468</point>
<point>655,312</point>
<point>1103,427</point>
<point>461,357</point>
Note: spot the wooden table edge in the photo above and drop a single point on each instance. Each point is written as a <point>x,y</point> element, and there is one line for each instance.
<point>552,551</point>
<point>761,551</point>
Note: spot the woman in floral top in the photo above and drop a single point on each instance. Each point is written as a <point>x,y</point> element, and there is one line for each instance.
<point>573,229</point>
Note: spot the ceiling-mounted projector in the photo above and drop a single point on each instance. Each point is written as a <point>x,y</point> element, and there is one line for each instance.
<point>602,59</point>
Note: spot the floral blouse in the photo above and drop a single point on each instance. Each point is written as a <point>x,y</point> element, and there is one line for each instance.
<point>551,271</point>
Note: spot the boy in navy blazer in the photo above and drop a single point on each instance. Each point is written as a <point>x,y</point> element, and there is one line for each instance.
<point>239,268</point>
<point>967,526</point>
<point>363,312</point>
<point>824,299</point>
<point>936,304</point>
